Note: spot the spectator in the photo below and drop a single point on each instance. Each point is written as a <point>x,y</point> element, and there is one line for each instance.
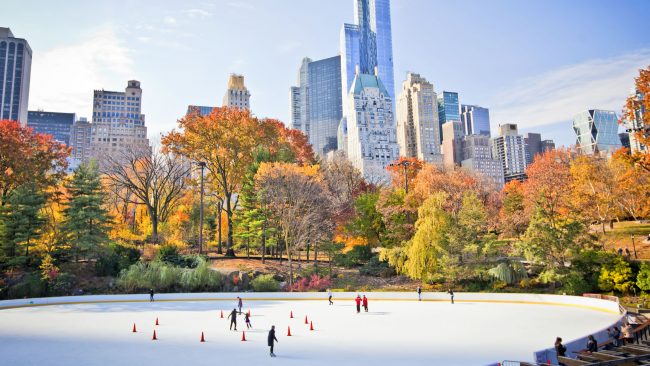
<point>628,333</point>
<point>592,345</point>
<point>560,349</point>
<point>620,251</point>
<point>615,336</point>
<point>627,253</point>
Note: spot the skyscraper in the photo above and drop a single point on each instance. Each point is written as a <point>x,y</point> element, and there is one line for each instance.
<point>452,148</point>
<point>316,105</point>
<point>478,159</point>
<point>368,44</point>
<point>15,71</point>
<point>371,136</point>
<point>236,96</point>
<point>637,125</point>
<point>448,108</point>
<point>510,150</point>
<point>59,125</point>
<point>535,146</point>
<point>417,120</point>
<point>80,136</point>
<point>118,124</point>
<point>476,120</point>
<point>596,131</point>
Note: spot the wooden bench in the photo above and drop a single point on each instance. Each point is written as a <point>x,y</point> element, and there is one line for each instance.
<point>571,361</point>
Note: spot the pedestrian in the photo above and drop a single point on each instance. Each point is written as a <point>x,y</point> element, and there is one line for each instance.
<point>451,293</point>
<point>233,318</point>
<point>272,339</point>
<point>628,333</point>
<point>247,320</point>
<point>620,251</point>
<point>615,336</point>
<point>560,349</point>
<point>151,295</point>
<point>365,303</point>
<point>419,293</point>
<point>358,301</point>
<point>329,296</point>
<point>627,253</point>
<point>592,345</point>
<point>240,303</point>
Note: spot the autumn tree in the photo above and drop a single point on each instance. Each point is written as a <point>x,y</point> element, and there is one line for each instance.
<point>594,191</point>
<point>632,184</point>
<point>28,157</point>
<point>513,219</point>
<point>156,180</point>
<point>636,119</point>
<point>404,170</point>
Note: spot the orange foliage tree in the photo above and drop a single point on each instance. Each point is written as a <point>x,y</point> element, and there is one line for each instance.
<point>404,168</point>
<point>637,120</point>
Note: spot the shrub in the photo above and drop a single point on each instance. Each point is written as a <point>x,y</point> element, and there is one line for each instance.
<point>265,283</point>
<point>313,283</point>
<point>165,277</point>
<point>201,278</point>
<point>169,254</point>
<point>616,276</point>
<point>643,277</point>
<point>30,286</point>
<point>377,268</point>
<point>358,255</point>
<point>574,283</point>
<point>510,273</point>
<point>63,284</point>
<point>118,258</point>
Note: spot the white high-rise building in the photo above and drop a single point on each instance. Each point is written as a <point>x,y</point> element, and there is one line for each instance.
<point>15,71</point>
<point>452,148</point>
<point>418,134</point>
<point>118,124</point>
<point>509,148</point>
<point>237,96</point>
<point>371,136</point>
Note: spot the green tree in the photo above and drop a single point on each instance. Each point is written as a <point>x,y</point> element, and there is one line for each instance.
<point>643,277</point>
<point>22,220</point>
<point>86,221</point>
<point>616,276</point>
<point>368,222</point>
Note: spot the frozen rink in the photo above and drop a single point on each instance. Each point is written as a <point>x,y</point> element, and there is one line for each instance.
<point>393,332</point>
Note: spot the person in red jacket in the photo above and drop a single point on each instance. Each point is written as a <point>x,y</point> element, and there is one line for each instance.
<point>365,303</point>
<point>358,301</point>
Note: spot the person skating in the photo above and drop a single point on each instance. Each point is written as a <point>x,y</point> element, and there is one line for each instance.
<point>419,293</point>
<point>451,293</point>
<point>247,320</point>
<point>272,339</point>
<point>329,296</point>
<point>358,301</point>
<point>365,303</point>
<point>240,303</point>
<point>151,295</point>
<point>233,318</point>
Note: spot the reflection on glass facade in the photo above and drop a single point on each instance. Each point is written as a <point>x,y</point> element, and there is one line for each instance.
<point>448,109</point>
<point>58,125</point>
<point>596,131</point>
<point>476,120</point>
<point>368,44</point>
<point>15,68</point>
<point>316,107</point>
<point>202,110</point>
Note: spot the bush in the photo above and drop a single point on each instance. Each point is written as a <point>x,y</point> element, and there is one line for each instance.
<point>265,283</point>
<point>165,277</point>
<point>377,268</point>
<point>30,286</point>
<point>616,276</point>
<point>510,273</point>
<point>357,256</point>
<point>575,284</point>
<point>169,254</point>
<point>201,278</point>
<point>643,277</point>
<point>313,283</point>
<point>63,284</point>
<point>118,258</point>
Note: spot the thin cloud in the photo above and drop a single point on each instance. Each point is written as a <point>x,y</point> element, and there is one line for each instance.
<point>288,46</point>
<point>169,20</point>
<point>198,13</point>
<point>241,5</point>
<point>63,78</point>
<point>558,95</point>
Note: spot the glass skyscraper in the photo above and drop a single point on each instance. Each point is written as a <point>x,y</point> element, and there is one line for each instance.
<point>59,125</point>
<point>316,104</point>
<point>596,131</point>
<point>368,44</point>
<point>448,109</point>
<point>15,70</point>
<point>476,120</point>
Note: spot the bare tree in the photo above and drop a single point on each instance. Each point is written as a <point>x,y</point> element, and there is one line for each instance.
<point>156,180</point>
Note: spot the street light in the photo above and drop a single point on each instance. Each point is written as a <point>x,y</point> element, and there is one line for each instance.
<point>201,165</point>
<point>405,164</point>
<point>634,247</point>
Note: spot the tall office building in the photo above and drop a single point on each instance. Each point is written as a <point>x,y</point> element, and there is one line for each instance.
<point>448,108</point>
<point>15,71</point>
<point>476,120</point>
<point>59,125</point>
<point>477,159</point>
<point>452,148</point>
<point>417,120</point>
<point>637,125</point>
<point>509,148</point>
<point>535,146</point>
<point>371,135</point>
<point>202,110</point>
<point>80,136</point>
<point>237,96</point>
<point>596,131</point>
<point>316,105</point>
<point>118,124</point>
<point>368,44</point>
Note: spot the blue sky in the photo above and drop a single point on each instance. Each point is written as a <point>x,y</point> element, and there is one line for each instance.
<point>535,63</point>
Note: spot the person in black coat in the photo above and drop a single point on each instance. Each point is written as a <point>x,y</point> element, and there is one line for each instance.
<point>592,345</point>
<point>233,318</point>
<point>560,349</point>
<point>272,339</point>
<point>151,295</point>
<point>451,293</point>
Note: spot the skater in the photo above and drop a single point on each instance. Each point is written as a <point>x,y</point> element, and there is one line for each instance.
<point>151,295</point>
<point>358,301</point>
<point>233,318</point>
<point>451,293</point>
<point>329,296</point>
<point>247,320</point>
<point>272,339</point>
<point>419,293</point>
<point>240,303</point>
<point>365,303</point>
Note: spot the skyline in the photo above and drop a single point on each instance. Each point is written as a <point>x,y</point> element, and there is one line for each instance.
<point>539,86</point>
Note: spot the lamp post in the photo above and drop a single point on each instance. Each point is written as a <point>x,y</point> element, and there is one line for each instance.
<point>202,166</point>
<point>405,165</point>
<point>634,247</point>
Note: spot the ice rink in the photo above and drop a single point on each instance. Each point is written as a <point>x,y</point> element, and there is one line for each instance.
<point>396,330</point>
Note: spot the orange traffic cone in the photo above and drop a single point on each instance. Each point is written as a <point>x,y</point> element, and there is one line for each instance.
<point>154,338</point>
<point>291,315</point>
<point>202,337</point>
<point>311,326</point>
<point>134,331</point>
<point>157,321</point>
<point>289,332</point>
<point>243,336</point>
<point>306,322</point>
<point>221,314</point>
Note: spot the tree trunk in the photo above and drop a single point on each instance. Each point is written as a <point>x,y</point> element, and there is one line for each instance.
<point>286,244</point>
<point>248,248</point>
<point>315,255</point>
<point>154,225</point>
<point>307,257</point>
<point>263,242</point>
